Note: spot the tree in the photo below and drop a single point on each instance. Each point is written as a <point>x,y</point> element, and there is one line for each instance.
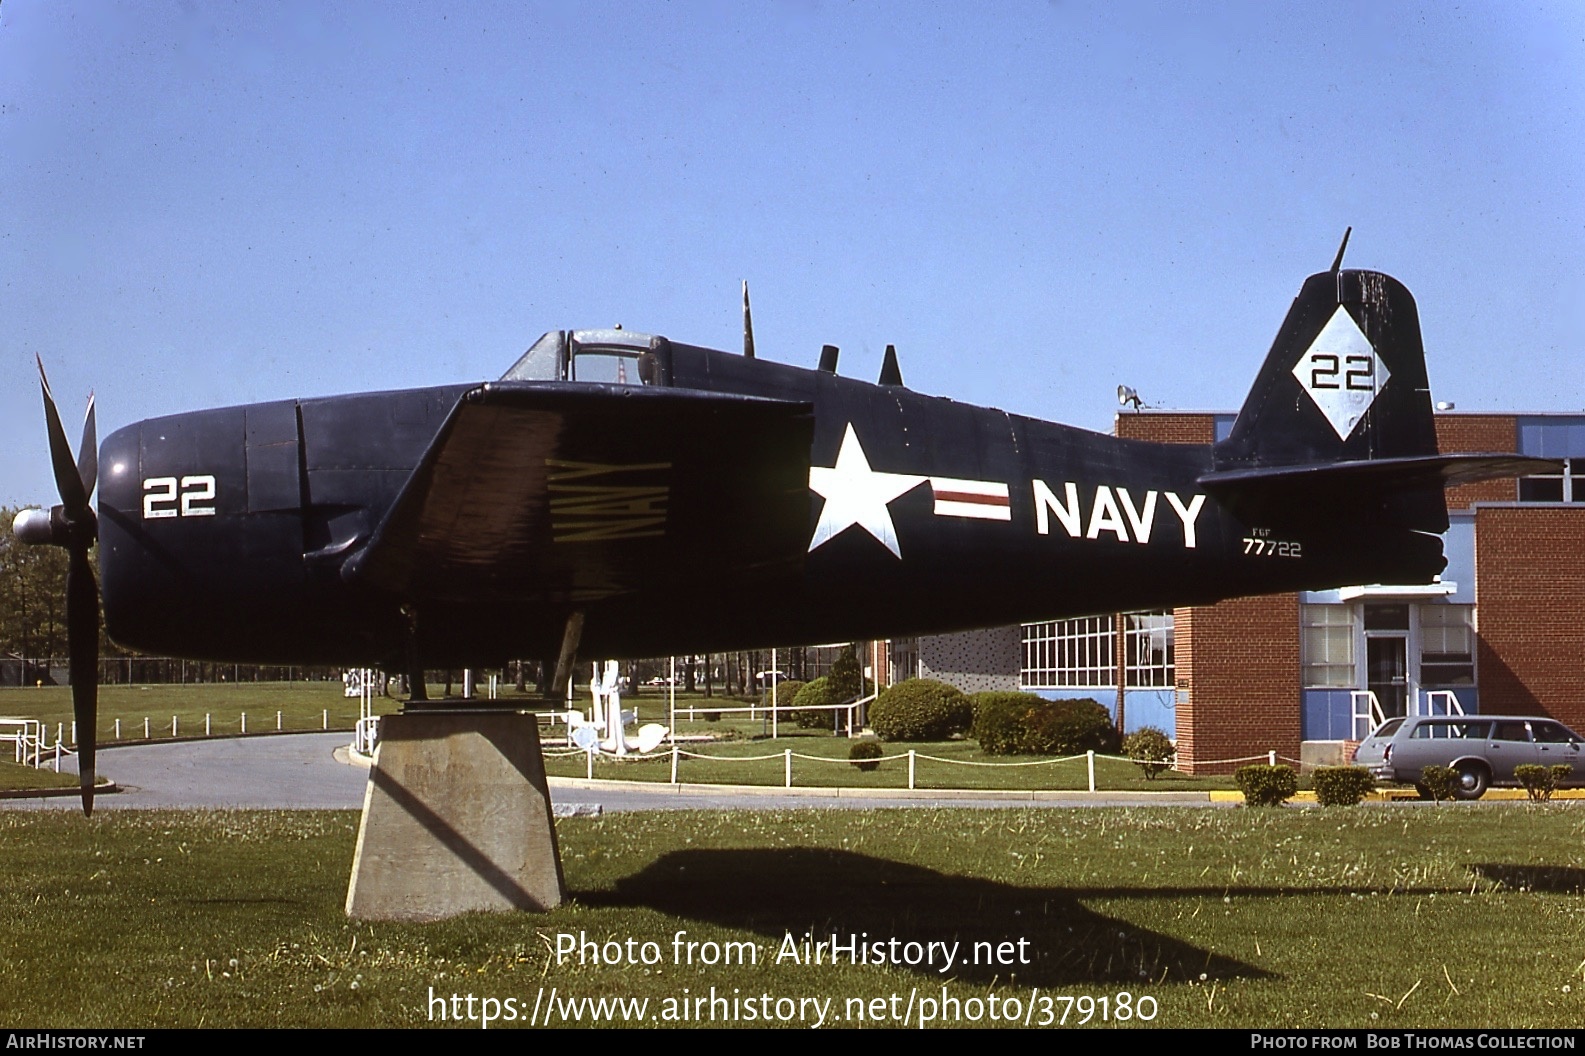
<point>847,678</point>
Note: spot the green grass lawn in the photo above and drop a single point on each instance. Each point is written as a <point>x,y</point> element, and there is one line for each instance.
<point>313,705</point>
<point>1386,917</point>
<point>303,706</point>
<point>15,776</point>
<point>821,761</point>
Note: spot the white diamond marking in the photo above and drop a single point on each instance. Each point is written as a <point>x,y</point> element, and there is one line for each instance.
<point>1342,373</point>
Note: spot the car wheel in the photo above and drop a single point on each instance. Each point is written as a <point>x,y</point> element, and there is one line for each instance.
<point>1472,781</point>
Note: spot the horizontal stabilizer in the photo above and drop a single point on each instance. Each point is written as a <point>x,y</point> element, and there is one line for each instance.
<point>1382,473</point>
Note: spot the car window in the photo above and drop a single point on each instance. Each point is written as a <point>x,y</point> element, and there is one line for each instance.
<point>1447,730</point>
<point>1511,731</point>
<point>1387,729</point>
<point>1551,732</point>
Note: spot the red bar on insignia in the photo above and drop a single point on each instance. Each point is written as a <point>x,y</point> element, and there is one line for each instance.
<point>984,500</point>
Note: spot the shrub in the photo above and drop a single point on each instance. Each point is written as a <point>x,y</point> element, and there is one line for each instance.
<point>847,678</point>
<point>1150,749</point>
<point>1541,781</point>
<point>813,700</point>
<point>1341,786</point>
<point>786,695</point>
<point>1266,786</point>
<point>1439,782</point>
<point>866,755</point>
<point>921,709</point>
<point>1024,724</point>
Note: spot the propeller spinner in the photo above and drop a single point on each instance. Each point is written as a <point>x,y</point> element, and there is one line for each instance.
<point>73,526</point>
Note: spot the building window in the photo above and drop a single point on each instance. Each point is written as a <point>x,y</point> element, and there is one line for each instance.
<point>1562,437</point>
<point>1070,654</point>
<point>1150,659</point>
<point>1082,653</point>
<point>1447,646</point>
<point>1553,487</point>
<point>1327,646</point>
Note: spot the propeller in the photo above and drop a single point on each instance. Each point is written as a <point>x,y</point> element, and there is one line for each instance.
<point>73,526</point>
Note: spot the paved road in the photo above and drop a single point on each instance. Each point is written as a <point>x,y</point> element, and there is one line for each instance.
<point>302,771</point>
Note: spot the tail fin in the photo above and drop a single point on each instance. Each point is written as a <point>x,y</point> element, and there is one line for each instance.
<point>1337,440</point>
<point>1345,380</point>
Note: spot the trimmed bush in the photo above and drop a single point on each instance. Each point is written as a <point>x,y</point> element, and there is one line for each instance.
<point>1541,781</point>
<point>1341,786</point>
<point>866,755</point>
<point>813,702</point>
<point>786,694</point>
<point>1439,782</point>
<point>847,677</point>
<point>1024,724</point>
<point>921,709</point>
<point>1150,749</point>
<point>1266,786</point>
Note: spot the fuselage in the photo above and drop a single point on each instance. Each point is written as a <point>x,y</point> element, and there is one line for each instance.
<point>224,532</point>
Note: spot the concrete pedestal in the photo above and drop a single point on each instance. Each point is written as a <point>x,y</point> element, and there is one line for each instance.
<point>456,818</point>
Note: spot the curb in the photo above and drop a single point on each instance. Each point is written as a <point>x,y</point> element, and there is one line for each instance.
<point>55,793</point>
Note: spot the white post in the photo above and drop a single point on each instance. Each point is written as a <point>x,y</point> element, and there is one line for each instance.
<point>118,729</point>
<point>277,720</point>
<point>1089,759</point>
<point>145,727</point>
<point>324,719</point>
<point>57,755</point>
<point>59,729</point>
<point>674,756</point>
<point>244,722</point>
<point>910,769</point>
<point>173,725</point>
<point>775,730</point>
<point>787,759</point>
<point>74,731</point>
<point>1271,757</point>
<point>588,768</point>
<point>206,724</point>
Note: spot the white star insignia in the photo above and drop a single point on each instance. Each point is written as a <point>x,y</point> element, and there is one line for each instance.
<point>857,494</point>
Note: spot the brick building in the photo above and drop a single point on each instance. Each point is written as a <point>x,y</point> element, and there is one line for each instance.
<point>1302,674</point>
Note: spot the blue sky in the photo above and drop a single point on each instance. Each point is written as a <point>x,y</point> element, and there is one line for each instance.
<point>207,204</point>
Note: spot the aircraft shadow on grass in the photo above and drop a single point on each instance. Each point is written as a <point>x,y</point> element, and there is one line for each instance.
<point>775,892</point>
<point>1548,879</point>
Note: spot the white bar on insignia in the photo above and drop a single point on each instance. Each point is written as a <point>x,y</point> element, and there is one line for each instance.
<point>984,500</point>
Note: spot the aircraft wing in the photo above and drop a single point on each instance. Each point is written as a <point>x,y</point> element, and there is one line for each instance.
<point>556,492</point>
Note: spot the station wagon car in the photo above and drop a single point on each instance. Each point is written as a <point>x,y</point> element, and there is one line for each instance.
<point>1484,749</point>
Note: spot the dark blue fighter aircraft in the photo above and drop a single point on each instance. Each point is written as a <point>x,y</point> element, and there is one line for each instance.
<point>621,495</point>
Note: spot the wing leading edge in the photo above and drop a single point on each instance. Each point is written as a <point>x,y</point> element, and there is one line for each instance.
<point>568,493</point>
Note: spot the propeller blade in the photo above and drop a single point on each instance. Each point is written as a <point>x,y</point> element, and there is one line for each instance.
<point>82,640</point>
<point>68,481</point>
<point>88,451</point>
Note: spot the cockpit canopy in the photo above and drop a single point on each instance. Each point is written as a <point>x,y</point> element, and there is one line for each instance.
<point>611,357</point>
